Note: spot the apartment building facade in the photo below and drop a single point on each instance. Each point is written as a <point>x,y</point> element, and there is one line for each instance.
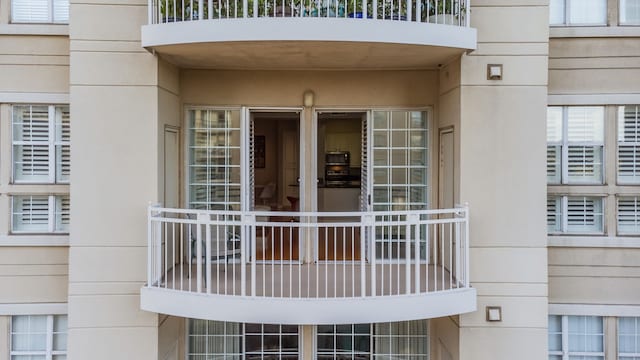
<point>320,179</point>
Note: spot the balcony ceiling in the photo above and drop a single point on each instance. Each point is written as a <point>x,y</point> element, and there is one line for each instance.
<point>307,43</point>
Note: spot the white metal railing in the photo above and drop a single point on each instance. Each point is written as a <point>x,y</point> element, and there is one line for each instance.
<point>308,255</point>
<point>450,12</point>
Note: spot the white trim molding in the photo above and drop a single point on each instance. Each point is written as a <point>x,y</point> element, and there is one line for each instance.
<point>33,98</point>
<point>593,31</point>
<point>593,99</point>
<point>34,309</point>
<point>34,240</point>
<point>594,310</point>
<point>594,241</point>
<point>35,29</point>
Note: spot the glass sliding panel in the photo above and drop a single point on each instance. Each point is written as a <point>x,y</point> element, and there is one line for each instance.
<point>344,341</point>
<point>401,340</point>
<point>629,338</point>
<point>586,337</point>
<point>400,173</point>
<point>214,159</point>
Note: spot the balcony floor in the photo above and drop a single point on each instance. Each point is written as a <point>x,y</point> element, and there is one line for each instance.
<point>322,280</point>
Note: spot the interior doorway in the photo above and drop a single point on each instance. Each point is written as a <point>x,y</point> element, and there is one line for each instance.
<point>275,182</point>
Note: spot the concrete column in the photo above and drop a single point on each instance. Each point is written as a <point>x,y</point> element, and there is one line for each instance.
<point>503,178</point>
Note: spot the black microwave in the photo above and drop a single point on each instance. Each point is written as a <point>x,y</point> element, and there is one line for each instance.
<point>337,158</point>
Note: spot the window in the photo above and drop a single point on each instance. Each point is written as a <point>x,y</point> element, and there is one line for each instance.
<point>229,340</point>
<point>344,341</point>
<point>575,141</point>
<point>42,337</point>
<point>629,338</point>
<point>40,11</point>
<point>214,159</point>
<point>41,144</point>
<point>629,144</point>
<point>40,213</point>
<point>394,340</point>
<point>577,12</point>
<point>576,337</point>
<point>575,214</point>
<point>628,215</point>
<point>630,12</point>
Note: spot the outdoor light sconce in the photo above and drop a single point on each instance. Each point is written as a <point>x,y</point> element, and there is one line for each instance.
<point>307,98</point>
<point>494,72</point>
<point>494,313</point>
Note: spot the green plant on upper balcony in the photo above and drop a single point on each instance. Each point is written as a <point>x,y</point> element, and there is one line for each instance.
<point>444,11</point>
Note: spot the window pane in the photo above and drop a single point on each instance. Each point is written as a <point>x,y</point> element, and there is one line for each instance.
<point>62,213</point>
<point>629,335</point>
<point>30,11</point>
<point>30,213</point>
<point>554,162</point>
<point>61,11</point>
<point>587,12</point>
<point>585,124</point>
<point>629,215</point>
<point>629,144</point>
<point>62,142</point>
<point>586,334</point>
<point>29,333</point>
<point>584,214</point>
<point>630,12</point>
<point>556,12</point>
<point>31,143</point>
<point>584,164</point>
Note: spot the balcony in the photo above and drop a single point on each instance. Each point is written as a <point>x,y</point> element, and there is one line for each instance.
<point>308,268</point>
<point>308,34</point>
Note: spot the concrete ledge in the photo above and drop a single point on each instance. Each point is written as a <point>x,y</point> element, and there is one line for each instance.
<point>308,310</point>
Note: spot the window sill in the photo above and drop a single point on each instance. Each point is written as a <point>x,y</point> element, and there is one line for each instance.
<point>593,241</point>
<point>34,29</point>
<point>594,31</point>
<point>34,240</point>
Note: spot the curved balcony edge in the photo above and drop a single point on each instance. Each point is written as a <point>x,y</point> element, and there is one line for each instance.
<point>308,311</point>
<point>309,29</point>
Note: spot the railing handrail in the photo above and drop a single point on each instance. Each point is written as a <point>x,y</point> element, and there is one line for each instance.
<point>412,239</point>
<point>450,12</point>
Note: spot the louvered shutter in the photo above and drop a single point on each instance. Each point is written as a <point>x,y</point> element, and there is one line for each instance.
<point>629,144</point>
<point>584,214</point>
<point>62,144</point>
<point>585,140</point>
<point>554,214</point>
<point>31,144</point>
<point>629,215</point>
<point>30,11</point>
<point>554,145</point>
<point>30,213</point>
<point>61,11</point>
<point>62,213</point>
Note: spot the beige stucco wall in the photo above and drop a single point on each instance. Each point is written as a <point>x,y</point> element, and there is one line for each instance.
<point>600,69</point>
<point>502,167</point>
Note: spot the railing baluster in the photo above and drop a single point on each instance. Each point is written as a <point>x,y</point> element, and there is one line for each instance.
<point>198,254</point>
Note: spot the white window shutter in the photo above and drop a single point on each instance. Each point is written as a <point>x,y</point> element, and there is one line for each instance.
<point>63,150</point>
<point>629,215</point>
<point>30,11</point>
<point>62,213</point>
<point>554,214</point>
<point>629,144</point>
<point>31,143</point>
<point>61,11</point>
<point>30,213</point>
<point>584,214</point>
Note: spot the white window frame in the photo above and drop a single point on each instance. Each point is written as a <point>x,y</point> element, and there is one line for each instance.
<point>621,355</point>
<point>565,144</point>
<point>52,217</point>
<point>52,7</point>
<point>52,144</point>
<point>565,353</point>
<point>564,225</point>
<point>567,16</point>
<point>621,19</point>
<point>49,353</point>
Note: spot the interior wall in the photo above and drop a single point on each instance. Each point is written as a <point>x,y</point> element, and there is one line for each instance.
<point>269,174</point>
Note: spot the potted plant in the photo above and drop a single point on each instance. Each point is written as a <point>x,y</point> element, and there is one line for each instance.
<point>178,10</point>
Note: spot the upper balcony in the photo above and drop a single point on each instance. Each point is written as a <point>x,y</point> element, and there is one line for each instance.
<point>309,34</point>
<point>308,268</point>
